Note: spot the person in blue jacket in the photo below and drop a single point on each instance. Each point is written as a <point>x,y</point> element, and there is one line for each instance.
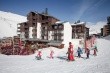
<point>79,51</point>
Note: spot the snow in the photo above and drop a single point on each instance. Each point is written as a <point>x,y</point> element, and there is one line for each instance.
<point>107,37</point>
<point>28,64</point>
<point>96,28</point>
<point>8,23</point>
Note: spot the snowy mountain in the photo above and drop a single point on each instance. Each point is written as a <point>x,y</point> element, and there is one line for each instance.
<point>96,28</point>
<point>28,64</point>
<point>8,23</point>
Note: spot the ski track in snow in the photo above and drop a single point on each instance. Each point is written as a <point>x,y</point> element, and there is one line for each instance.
<point>28,64</point>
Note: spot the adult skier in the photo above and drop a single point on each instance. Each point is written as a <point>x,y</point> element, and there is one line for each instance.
<point>70,52</point>
<point>87,53</point>
<point>95,51</point>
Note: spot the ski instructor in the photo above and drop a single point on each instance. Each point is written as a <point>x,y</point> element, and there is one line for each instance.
<point>70,52</point>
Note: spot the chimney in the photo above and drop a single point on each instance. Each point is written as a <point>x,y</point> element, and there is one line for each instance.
<point>46,11</point>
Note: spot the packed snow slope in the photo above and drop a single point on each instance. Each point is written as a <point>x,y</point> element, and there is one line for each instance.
<point>8,23</point>
<point>28,64</point>
<point>107,37</point>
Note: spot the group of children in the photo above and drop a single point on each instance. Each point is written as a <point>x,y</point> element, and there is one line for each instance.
<point>87,51</point>
<point>39,55</point>
<point>79,52</point>
<point>70,53</point>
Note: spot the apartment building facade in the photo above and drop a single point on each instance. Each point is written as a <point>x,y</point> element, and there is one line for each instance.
<point>23,30</point>
<point>60,34</point>
<point>37,26</point>
<point>43,28</point>
<point>105,31</point>
<point>79,30</point>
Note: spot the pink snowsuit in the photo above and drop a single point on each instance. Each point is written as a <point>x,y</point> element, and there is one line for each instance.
<point>51,54</point>
<point>39,55</point>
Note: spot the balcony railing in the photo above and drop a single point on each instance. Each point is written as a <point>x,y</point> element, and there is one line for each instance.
<point>57,34</point>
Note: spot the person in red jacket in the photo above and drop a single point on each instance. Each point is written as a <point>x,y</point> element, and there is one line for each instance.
<point>70,52</point>
<point>51,54</point>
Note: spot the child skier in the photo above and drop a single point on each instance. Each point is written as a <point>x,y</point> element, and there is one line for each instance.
<point>51,54</point>
<point>79,51</point>
<point>95,50</point>
<point>39,55</point>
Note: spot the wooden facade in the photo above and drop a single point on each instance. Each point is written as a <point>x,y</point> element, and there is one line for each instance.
<point>105,31</point>
<point>23,28</point>
<point>58,32</point>
<point>33,18</point>
<point>79,31</point>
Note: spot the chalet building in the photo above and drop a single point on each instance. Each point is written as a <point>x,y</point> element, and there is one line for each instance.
<point>41,28</point>
<point>37,25</point>
<point>105,31</point>
<point>79,30</point>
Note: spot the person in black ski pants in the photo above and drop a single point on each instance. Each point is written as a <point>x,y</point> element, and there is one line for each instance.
<point>87,53</point>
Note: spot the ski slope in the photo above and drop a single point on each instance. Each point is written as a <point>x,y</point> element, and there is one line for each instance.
<point>8,23</point>
<point>28,64</point>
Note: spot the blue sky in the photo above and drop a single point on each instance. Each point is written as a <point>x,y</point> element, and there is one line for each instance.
<point>65,10</point>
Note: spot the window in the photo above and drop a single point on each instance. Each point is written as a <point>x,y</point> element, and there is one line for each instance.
<point>34,19</point>
<point>33,24</point>
<point>60,26</point>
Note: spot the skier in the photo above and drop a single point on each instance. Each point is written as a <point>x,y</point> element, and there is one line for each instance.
<point>87,53</point>
<point>39,55</point>
<point>70,52</point>
<point>79,51</point>
<point>51,54</point>
<point>95,50</point>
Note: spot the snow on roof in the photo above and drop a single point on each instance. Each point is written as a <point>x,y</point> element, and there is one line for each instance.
<point>61,22</point>
<point>78,23</point>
